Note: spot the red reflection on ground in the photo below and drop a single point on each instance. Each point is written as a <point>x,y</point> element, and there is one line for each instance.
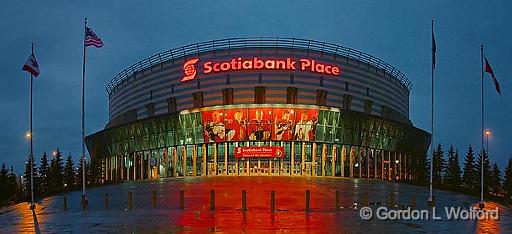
<point>290,204</point>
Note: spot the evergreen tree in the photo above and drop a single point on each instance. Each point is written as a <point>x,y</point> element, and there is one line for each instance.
<point>420,169</point>
<point>79,173</point>
<point>3,182</point>
<point>507,182</point>
<point>470,172</point>
<point>495,185</point>
<point>69,173</point>
<point>438,167</point>
<point>452,175</point>
<point>44,171</point>
<point>12,184</point>
<point>27,176</point>
<point>56,175</point>
<point>487,170</point>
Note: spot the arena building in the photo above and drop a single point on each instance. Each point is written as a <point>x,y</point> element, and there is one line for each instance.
<point>259,106</point>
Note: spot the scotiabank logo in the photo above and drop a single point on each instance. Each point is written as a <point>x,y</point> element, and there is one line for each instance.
<point>189,70</point>
<point>255,63</point>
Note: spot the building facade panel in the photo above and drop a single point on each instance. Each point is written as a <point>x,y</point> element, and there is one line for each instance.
<point>169,115</point>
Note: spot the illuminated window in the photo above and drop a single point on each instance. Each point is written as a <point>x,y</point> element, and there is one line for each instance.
<point>368,106</point>
<point>198,99</point>
<point>291,95</point>
<point>227,96</point>
<point>150,109</point>
<point>321,97</point>
<point>347,101</point>
<point>259,95</point>
<point>171,105</point>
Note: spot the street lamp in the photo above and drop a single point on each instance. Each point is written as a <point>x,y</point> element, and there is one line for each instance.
<point>487,134</point>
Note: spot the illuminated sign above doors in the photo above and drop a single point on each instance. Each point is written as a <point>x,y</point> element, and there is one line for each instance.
<point>255,63</point>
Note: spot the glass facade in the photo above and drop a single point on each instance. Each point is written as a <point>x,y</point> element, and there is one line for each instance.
<point>317,141</point>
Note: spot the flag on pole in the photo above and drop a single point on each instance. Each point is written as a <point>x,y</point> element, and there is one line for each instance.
<point>31,65</point>
<point>433,50</point>
<point>488,69</point>
<point>91,39</point>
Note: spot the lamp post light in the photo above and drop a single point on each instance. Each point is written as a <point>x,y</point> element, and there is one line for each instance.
<point>487,134</point>
<point>486,151</point>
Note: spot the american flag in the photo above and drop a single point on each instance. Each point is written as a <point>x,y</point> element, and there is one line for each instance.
<point>91,39</point>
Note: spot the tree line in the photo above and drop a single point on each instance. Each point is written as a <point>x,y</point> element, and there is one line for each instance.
<point>52,175</point>
<point>447,173</point>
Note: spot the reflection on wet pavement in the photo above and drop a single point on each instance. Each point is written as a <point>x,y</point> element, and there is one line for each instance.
<point>290,215</point>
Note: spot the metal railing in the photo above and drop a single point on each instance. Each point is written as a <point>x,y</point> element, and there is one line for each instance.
<point>257,42</point>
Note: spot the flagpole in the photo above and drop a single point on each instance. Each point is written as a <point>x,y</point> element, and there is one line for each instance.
<point>432,120</point>
<point>482,130</point>
<point>32,205</point>
<point>83,201</point>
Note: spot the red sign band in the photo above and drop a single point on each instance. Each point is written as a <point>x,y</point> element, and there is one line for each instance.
<point>259,152</point>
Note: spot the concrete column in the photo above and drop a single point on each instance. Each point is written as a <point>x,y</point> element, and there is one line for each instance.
<point>351,161</point>
<point>303,151</point>
<point>313,160</point>
<point>281,163</point>
<point>292,161</point>
<point>114,175</point>
<point>105,169</point>
<point>382,165</point>
<point>406,172</point>
<point>400,165</point>
<point>128,167</point>
<point>333,160</point>
<point>194,160</point>
<point>360,162</point>
<point>247,166</point>
<point>166,162</point>
<point>135,166</point>
<point>226,158</point>
<point>390,165</point>
<point>141,165</point>
<point>215,158</point>
<point>174,161</point>
<point>270,162</point>
<point>324,158</point>
<point>368,163</point>
<point>184,160</point>
<point>343,157</point>
<point>374,154</point>
<point>259,166</point>
<point>205,162</point>
<point>236,162</point>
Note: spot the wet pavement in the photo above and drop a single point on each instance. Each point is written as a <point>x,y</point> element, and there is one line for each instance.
<point>290,215</point>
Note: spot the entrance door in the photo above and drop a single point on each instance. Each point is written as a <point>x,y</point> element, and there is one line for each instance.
<point>264,168</point>
<point>307,169</point>
<point>243,167</point>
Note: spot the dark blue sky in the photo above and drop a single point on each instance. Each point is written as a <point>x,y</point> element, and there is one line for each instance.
<point>396,31</point>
